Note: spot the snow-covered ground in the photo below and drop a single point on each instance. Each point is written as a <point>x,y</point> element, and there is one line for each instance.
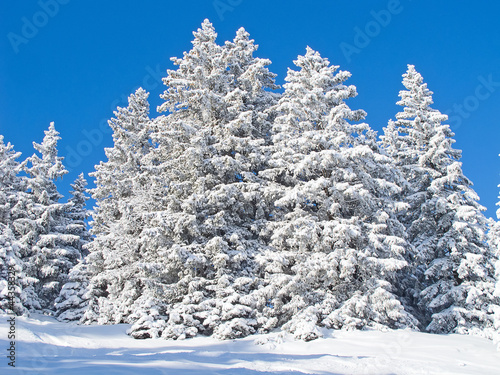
<point>45,346</point>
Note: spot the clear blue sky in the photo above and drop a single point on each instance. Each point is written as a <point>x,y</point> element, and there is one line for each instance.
<point>75,62</point>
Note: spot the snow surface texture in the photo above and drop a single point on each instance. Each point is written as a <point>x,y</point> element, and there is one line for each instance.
<point>45,346</point>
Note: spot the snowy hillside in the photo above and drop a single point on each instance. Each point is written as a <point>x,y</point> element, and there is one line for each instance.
<point>45,346</point>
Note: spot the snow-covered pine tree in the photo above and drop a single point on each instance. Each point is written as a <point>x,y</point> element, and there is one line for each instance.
<point>494,243</point>
<point>10,182</point>
<point>11,270</point>
<point>71,303</point>
<point>451,259</point>
<point>11,190</point>
<point>47,250</point>
<point>117,277</point>
<point>77,213</point>
<point>208,155</point>
<point>336,244</point>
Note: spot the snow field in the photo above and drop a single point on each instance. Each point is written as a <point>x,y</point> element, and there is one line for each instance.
<point>45,346</point>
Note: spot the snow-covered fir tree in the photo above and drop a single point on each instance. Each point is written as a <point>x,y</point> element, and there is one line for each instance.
<point>48,251</point>
<point>335,242</point>
<point>10,181</point>
<point>208,157</point>
<point>72,303</point>
<point>494,243</point>
<point>116,254</point>
<point>451,259</point>
<point>77,213</point>
<point>11,190</point>
<point>11,270</point>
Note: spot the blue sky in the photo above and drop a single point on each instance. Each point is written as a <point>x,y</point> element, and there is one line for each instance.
<point>73,62</point>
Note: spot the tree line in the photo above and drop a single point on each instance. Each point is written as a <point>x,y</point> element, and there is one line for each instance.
<point>240,209</point>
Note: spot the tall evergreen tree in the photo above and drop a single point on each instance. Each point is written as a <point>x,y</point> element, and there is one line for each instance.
<point>336,244</point>
<point>494,243</point>
<point>48,251</point>
<point>114,262</point>
<point>208,156</point>
<point>10,181</point>
<point>77,213</point>
<point>11,272</point>
<point>452,261</point>
<point>72,302</point>
<point>11,193</point>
